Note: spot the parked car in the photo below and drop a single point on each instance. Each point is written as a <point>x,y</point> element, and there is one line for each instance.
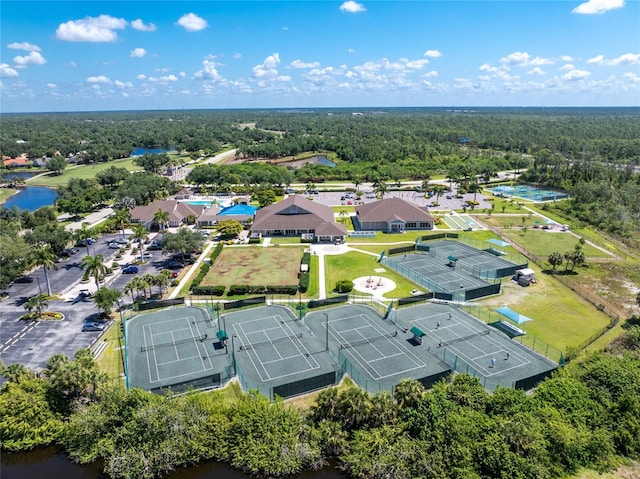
<point>120,241</point>
<point>69,251</point>
<point>114,246</point>
<point>130,270</point>
<point>93,326</point>
<point>174,274</point>
<point>24,279</point>
<point>85,242</point>
<point>175,265</point>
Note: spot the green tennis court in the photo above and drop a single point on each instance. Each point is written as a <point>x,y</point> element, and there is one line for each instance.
<point>175,348</point>
<point>470,346</point>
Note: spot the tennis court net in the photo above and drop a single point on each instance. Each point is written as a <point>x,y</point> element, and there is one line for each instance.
<point>360,342</point>
<point>150,347</point>
<point>463,338</point>
<point>269,341</point>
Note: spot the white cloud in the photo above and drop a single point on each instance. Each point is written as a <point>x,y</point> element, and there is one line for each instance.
<point>597,59</point>
<point>7,72</point>
<point>33,58</point>
<point>351,50</point>
<point>568,66</point>
<point>72,64</point>
<point>30,47</point>
<point>139,25</point>
<point>52,86</point>
<point>416,64</point>
<point>91,29</point>
<point>516,58</point>
<point>576,75</point>
<point>164,79</point>
<point>121,84</point>
<point>625,59</point>
<point>138,53</point>
<point>141,76</point>
<point>591,7</point>
<point>566,58</point>
<point>352,7</point>
<point>237,56</point>
<point>523,59</point>
<point>432,54</point>
<point>301,64</point>
<point>99,79</point>
<point>632,76</point>
<point>192,22</point>
<point>536,71</point>
<point>430,74</point>
<point>268,68</point>
<point>182,75</point>
<point>209,71</point>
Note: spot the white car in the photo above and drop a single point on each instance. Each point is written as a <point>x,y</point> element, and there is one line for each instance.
<point>114,246</point>
<point>147,256</point>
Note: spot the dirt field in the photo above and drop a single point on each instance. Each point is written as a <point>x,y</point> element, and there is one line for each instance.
<point>256,266</point>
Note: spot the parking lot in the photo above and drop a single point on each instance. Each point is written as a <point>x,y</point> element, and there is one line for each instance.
<point>446,202</point>
<point>33,343</point>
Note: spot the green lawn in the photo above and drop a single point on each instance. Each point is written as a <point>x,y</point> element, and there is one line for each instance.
<point>255,266</point>
<point>560,316</point>
<point>509,205</point>
<point>110,360</point>
<point>380,237</point>
<point>353,265</point>
<point>82,171</point>
<point>542,243</point>
<point>286,240</point>
<point>512,221</point>
<point>6,193</point>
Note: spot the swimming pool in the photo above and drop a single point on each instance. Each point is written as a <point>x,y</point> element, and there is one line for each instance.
<point>199,202</point>
<point>528,193</point>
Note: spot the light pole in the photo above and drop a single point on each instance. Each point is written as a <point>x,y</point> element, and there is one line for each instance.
<point>233,355</point>
<point>326,339</point>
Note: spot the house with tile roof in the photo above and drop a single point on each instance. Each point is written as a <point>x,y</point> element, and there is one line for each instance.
<point>18,162</point>
<point>297,216</point>
<point>392,215</point>
<point>178,213</point>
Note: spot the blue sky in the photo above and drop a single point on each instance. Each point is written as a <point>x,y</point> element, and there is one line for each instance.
<point>128,55</point>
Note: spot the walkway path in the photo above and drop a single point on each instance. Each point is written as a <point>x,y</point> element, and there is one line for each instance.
<point>192,271</point>
<point>93,219</point>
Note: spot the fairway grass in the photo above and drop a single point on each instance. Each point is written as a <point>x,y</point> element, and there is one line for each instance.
<point>82,171</point>
<point>256,266</point>
<point>6,193</point>
<point>110,359</point>
<point>354,265</point>
<point>542,243</point>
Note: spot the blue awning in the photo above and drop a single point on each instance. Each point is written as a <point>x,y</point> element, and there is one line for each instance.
<point>498,242</point>
<point>512,315</point>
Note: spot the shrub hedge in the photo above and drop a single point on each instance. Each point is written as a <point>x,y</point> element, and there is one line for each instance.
<point>204,269</point>
<point>208,290</point>
<point>242,289</point>
<point>304,282</point>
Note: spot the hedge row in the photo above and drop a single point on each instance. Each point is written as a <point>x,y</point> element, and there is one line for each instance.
<point>306,259</point>
<point>208,290</point>
<point>242,289</point>
<point>204,269</point>
<point>254,240</point>
<point>304,282</point>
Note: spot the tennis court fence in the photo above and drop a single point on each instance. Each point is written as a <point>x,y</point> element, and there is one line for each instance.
<point>150,347</point>
<point>244,347</point>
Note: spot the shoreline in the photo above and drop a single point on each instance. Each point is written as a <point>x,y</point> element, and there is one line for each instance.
<point>10,192</point>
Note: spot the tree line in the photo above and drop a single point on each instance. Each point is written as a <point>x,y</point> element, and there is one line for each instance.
<point>586,415</point>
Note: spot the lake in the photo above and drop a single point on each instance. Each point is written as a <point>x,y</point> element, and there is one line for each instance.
<point>150,151</point>
<point>22,174</point>
<point>32,197</point>
<point>52,462</point>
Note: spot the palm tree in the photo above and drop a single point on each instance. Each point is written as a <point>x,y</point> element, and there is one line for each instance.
<point>94,265</point>
<point>161,281</point>
<point>141,286</point>
<point>140,233</point>
<point>121,217</point>
<point>36,304</point>
<point>380,188</point>
<point>161,218</point>
<point>425,183</point>
<point>357,181</point>
<point>130,288</point>
<point>438,190</point>
<point>45,257</point>
<point>149,280</point>
<point>474,188</point>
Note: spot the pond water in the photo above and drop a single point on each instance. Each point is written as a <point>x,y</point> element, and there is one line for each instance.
<point>32,197</point>
<point>151,151</point>
<point>52,462</point>
<point>20,174</point>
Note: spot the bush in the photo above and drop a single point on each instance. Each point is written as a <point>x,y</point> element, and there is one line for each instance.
<point>238,289</point>
<point>305,240</point>
<point>304,282</point>
<point>255,240</point>
<point>115,264</point>
<point>174,283</point>
<point>208,290</point>
<point>344,286</point>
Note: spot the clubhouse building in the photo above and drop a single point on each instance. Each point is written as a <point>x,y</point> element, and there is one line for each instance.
<point>392,215</point>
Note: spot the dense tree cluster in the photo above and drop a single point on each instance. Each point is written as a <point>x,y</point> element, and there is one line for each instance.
<point>586,416</point>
